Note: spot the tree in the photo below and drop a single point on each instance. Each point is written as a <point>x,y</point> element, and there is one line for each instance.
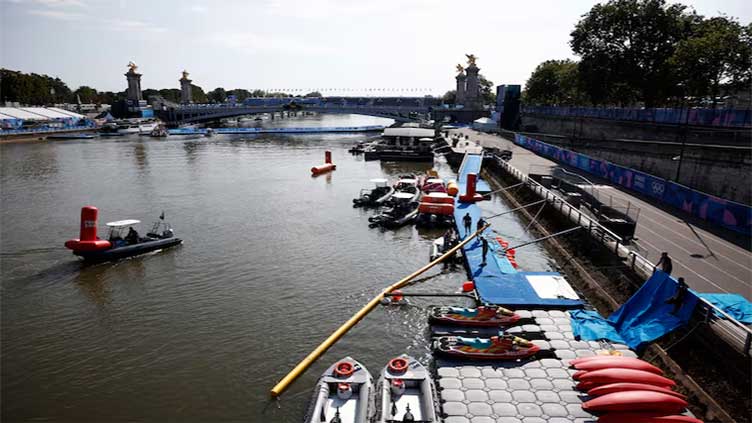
<point>198,94</point>
<point>86,94</point>
<point>450,97</point>
<point>239,93</point>
<point>217,95</point>
<point>630,42</point>
<point>715,59</point>
<point>554,83</point>
<point>313,94</point>
<point>486,87</point>
<point>258,93</point>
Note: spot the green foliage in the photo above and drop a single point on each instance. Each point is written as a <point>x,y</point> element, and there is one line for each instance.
<point>646,52</point>
<point>217,95</point>
<point>715,59</point>
<point>554,83</point>
<point>313,94</point>
<point>450,97</point>
<point>239,93</point>
<point>486,87</point>
<point>630,42</point>
<point>33,89</point>
<point>198,94</point>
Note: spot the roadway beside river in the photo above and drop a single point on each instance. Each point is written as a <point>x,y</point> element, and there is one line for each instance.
<point>708,262</point>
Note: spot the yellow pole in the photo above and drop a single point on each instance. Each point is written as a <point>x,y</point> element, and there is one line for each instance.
<point>334,337</point>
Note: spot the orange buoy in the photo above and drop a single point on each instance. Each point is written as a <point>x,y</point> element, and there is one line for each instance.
<point>344,369</point>
<point>511,252</point>
<point>397,296</point>
<point>468,286</point>
<point>328,166</point>
<point>452,188</point>
<point>397,365</point>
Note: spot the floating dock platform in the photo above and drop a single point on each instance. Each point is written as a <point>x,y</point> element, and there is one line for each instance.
<point>539,389</point>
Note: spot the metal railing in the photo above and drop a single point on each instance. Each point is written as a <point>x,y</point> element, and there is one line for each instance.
<point>733,332</point>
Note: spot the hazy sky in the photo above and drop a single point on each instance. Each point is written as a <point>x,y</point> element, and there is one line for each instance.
<point>293,44</point>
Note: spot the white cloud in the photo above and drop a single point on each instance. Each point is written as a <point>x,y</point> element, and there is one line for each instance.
<point>60,3</point>
<point>198,8</point>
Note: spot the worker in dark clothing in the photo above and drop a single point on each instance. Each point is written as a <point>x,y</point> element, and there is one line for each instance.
<point>484,245</point>
<point>481,223</point>
<point>678,298</point>
<point>468,222</point>
<point>132,237</point>
<point>664,263</point>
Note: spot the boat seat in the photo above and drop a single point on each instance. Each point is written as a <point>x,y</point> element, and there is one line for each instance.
<point>475,342</point>
<point>467,312</point>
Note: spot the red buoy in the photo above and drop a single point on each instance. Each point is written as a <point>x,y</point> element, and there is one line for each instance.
<point>397,296</point>
<point>468,286</point>
<point>470,196</point>
<point>88,240</point>
<point>328,166</point>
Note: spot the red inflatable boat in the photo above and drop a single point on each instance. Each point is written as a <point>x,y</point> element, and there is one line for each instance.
<point>487,316</point>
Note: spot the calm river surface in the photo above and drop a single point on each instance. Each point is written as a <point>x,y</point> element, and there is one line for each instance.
<point>273,260</point>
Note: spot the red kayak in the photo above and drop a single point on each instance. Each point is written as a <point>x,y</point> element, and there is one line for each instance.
<point>505,347</point>
<point>649,417</point>
<point>626,386</point>
<point>488,316</point>
<point>636,401</point>
<point>575,361</point>
<point>619,362</point>
<point>601,377</point>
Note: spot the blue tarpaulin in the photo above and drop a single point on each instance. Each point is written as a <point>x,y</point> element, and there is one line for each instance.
<point>734,305</point>
<point>591,326</point>
<point>644,318</point>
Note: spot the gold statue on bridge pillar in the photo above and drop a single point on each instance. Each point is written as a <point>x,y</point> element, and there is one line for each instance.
<point>460,69</point>
<point>185,74</point>
<point>471,58</point>
<point>132,67</point>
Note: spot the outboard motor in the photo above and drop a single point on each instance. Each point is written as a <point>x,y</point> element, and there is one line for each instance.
<point>408,415</point>
<point>336,418</point>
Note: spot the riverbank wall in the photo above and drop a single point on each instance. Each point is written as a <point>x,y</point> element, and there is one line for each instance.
<point>712,159</point>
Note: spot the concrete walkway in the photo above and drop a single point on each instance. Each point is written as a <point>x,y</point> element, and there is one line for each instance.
<point>707,262</point>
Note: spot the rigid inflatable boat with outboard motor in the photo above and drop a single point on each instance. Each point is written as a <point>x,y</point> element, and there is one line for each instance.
<point>502,347</point>
<point>376,196</point>
<point>344,394</point>
<point>401,210</point>
<point>118,245</point>
<point>480,316</point>
<point>405,393</point>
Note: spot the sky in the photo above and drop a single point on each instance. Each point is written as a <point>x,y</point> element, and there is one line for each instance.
<point>338,47</point>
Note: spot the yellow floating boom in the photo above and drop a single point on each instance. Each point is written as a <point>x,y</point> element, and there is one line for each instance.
<point>283,384</point>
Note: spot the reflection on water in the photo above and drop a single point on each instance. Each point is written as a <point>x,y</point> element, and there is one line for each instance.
<point>272,261</point>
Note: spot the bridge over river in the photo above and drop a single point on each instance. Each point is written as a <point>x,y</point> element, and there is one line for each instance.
<point>401,109</point>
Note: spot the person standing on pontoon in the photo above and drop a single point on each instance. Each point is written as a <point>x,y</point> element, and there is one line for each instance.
<point>468,221</point>
<point>664,263</point>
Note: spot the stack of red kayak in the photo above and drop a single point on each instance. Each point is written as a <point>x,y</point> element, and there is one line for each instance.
<point>626,389</point>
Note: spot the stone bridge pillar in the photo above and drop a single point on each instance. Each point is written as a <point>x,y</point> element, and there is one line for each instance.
<point>472,88</point>
<point>460,96</point>
<point>186,94</point>
<point>134,85</point>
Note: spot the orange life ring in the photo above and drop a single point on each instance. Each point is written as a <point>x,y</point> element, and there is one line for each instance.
<point>397,365</point>
<point>344,369</point>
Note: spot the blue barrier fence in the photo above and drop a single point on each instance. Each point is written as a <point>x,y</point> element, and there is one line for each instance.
<point>723,118</point>
<point>720,212</point>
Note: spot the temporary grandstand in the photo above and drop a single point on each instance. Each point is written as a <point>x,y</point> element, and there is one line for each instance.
<point>17,120</point>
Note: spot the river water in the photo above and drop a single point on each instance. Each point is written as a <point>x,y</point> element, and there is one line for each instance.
<point>273,261</point>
